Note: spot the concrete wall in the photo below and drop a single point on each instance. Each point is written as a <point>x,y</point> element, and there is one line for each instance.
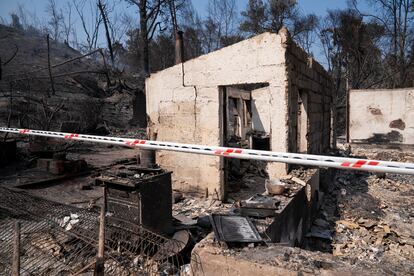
<point>184,105</point>
<point>382,116</point>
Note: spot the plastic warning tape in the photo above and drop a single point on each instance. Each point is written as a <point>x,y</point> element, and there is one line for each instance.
<point>290,158</point>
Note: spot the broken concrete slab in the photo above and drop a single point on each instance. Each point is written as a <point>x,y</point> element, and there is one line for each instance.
<point>265,260</point>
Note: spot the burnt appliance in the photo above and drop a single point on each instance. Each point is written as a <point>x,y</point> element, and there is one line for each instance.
<point>142,196</point>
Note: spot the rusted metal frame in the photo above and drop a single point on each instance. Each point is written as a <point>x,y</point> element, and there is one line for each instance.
<point>131,248</point>
<point>101,244</point>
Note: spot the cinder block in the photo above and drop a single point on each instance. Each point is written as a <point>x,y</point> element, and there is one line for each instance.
<point>59,167</point>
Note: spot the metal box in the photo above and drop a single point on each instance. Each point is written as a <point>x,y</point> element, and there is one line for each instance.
<point>143,197</point>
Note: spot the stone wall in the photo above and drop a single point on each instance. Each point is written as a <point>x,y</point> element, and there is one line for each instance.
<point>381,116</point>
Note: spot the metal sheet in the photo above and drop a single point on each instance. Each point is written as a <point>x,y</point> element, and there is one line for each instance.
<point>231,228</point>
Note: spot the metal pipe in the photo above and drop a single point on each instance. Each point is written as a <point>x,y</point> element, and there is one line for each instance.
<point>284,157</point>
<point>179,47</point>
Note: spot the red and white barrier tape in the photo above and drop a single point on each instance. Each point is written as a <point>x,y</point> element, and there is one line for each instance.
<point>291,158</point>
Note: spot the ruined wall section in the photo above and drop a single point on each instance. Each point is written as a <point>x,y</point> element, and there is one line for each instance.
<point>183,105</point>
<point>381,116</point>
<point>305,75</point>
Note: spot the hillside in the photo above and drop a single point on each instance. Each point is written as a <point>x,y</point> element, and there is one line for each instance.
<point>82,94</point>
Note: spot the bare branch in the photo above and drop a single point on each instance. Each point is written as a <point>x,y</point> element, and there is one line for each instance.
<point>13,55</point>
<point>102,9</point>
<point>57,65</point>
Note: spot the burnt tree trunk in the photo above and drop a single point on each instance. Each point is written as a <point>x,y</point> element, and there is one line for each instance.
<point>106,25</point>
<point>144,36</point>
<point>50,66</point>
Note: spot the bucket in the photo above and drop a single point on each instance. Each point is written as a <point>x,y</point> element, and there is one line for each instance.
<point>146,158</point>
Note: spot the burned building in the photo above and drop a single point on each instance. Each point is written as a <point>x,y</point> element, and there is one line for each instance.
<point>262,93</point>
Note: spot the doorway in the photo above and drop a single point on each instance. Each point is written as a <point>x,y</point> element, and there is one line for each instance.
<point>237,131</point>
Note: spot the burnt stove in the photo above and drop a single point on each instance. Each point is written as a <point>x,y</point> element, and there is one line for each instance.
<point>138,195</point>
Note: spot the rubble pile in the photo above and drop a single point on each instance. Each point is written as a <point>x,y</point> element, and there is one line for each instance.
<point>364,224</point>
<point>368,219</point>
<point>198,207</point>
<point>388,154</point>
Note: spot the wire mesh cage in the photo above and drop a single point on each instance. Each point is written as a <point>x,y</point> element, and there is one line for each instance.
<point>57,239</point>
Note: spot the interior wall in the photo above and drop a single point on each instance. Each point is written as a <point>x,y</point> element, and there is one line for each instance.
<point>238,112</point>
<point>261,109</point>
<point>302,122</point>
<point>308,76</point>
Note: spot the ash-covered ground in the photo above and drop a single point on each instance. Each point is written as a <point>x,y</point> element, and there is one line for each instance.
<point>367,219</point>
